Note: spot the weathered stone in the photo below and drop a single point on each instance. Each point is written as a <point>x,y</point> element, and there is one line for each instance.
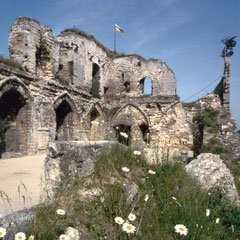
<point>75,159</point>
<point>72,233</point>
<point>17,222</point>
<point>210,170</point>
<point>130,190</point>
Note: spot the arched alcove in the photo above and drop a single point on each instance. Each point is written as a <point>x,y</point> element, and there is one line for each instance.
<point>64,121</point>
<point>146,86</point>
<point>14,117</point>
<point>132,121</point>
<point>95,128</point>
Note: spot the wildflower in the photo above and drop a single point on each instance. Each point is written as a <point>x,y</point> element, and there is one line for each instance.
<point>125,169</point>
<point>174,198</point>
<point>117,127</point>
<point>129,228</point>
<point>60,212</point>
<point>20,236</point>
<point>31,237</point>
<point>123,134</point>
<point>138,153</point>
<point>152,172</point>
<point>179,228</point>
<point>217,220</point>
<point>94,123</point>
<point>63,237</point>
<point>207,212</point>
<point>131,217</point>
<point>146,197</point>
<point>118,220</point>
<point>2,232</point>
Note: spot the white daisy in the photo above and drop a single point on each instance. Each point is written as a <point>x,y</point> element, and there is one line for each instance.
<point>20,236</point>
<point>179,228</point>
<point>146,197</point>
<point>207,212</point>
<point>131,217</point>
<point>123,134</point>
<point>60,212</point>
<point>129,228</point>
<point>125,169</point>
<point>64,237</point>
<point>217,220</point>
<point>118,220</point>
<point>138,153</point>
<point>152,172</point>
<point>2,232</point>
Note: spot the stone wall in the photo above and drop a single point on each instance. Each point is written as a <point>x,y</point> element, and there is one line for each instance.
<point>67,160</point>
<point>74,88</point>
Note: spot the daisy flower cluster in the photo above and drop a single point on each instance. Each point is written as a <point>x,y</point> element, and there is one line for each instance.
<point>126,225</point>
<point>123,134</point>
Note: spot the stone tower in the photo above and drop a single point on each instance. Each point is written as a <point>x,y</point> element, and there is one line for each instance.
<point>33,46</point>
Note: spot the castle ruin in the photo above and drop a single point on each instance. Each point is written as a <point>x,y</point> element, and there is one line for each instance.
<point>75,89</point>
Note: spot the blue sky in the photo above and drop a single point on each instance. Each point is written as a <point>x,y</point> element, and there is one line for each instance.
<point>186,34</point>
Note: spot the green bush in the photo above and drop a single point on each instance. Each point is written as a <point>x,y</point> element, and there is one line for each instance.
<point>207,118</point>
<point>174,198</point>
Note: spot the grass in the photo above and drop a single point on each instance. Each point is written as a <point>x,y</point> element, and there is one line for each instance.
<point>11,63</point>
<point>156,217</point>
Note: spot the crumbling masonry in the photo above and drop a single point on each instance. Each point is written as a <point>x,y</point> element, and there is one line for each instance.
<point>75,89</point>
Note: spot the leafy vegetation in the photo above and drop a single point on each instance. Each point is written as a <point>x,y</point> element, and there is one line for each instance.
<point>214,146</point>
<point>174,198</point>
<point>206,118</point>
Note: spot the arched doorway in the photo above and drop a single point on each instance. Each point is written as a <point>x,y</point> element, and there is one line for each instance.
<point>95,125</point>
<point>64,121</point>
<point>14,118</point>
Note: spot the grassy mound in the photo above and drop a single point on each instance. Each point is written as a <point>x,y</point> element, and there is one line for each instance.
<point>174,198</point>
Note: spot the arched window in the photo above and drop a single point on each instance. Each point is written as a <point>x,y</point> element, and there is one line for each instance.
<point>146,86</point>
<point>95,90</point>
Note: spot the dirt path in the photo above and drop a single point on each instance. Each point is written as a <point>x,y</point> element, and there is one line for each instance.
<point>22,181</point>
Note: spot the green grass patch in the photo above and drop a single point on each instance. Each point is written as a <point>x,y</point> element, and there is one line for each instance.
<point>174,198</point>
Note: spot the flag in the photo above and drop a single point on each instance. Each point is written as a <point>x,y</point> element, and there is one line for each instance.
<point>117,28</point>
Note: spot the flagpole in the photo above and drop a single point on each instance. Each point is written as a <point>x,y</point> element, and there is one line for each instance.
<point>115,40</point>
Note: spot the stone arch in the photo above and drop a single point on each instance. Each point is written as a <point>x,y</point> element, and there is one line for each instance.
<point>14,82</point>
<point>133,121</point>
<point>66,118</point>
<point>96,122</point>
<point>16,117</point>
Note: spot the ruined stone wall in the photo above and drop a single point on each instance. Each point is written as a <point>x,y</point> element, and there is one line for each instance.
<point>33,46</point>
<point>77,89</point>
<point>125,76</point>
<point>226,131</point>
<point>43,99</point>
